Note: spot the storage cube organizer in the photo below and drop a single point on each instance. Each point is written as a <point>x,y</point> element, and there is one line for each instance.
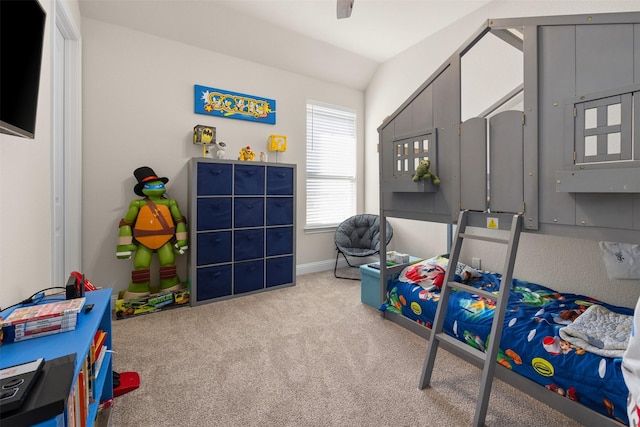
<point>243,214</point>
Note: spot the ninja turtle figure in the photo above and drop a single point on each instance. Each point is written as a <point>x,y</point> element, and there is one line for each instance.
<point>152,224</point>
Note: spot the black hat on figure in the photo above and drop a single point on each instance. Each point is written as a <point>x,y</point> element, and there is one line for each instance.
<point>145,174</point>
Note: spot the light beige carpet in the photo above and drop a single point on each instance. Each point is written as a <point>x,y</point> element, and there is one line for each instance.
<point>307,355</point>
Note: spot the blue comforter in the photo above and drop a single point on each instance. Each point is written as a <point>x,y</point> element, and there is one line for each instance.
<point>531,344</point>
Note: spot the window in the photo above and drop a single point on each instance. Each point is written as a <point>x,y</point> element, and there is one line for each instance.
<point>603,129</point>
<point>409,152</point>
<point>331,165</point>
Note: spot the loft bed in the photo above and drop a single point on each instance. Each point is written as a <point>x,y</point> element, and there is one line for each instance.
<point>555,141</point>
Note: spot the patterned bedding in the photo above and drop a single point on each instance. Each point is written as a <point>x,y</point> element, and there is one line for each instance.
<point>531,343</point>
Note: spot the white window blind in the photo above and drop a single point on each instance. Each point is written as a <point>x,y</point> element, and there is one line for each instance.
<point>331,165</point>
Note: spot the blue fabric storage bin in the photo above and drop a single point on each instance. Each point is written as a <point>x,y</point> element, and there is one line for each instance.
<point>214,282</point>
<point>214,179</point>
<point>248,212</point>
<point>248,276</point>
<point>279,181</point>
<point>279,241</point>
<point>214,248</point>
<point>214,213</point>
<point>248,180</point>
<point>279,210</point>
<point>248,244</point>
<point>279,271</point>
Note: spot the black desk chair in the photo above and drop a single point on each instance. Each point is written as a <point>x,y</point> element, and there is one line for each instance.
<point>359,236</point>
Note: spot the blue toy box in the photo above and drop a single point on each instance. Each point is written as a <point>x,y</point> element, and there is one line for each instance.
<point>370,281</point>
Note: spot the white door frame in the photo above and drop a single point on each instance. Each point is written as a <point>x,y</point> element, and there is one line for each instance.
<point>66,155</point>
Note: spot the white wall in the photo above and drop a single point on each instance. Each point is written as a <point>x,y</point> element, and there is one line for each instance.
<point>138,105</point>
<point>571,264</point>
<point>25,203</point>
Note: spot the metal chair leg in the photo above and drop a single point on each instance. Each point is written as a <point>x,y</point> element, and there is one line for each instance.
<point>335,268</point>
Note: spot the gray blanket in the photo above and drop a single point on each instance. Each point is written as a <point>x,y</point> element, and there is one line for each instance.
<point>600,331</point>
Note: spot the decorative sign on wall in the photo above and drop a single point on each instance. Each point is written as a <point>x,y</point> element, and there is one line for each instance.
<point>224,103</point>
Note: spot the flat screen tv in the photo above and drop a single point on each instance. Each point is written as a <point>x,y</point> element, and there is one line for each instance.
<point>22,24</point>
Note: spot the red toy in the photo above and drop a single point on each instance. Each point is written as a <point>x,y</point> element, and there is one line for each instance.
<point>88,286</point>
<point>124,382</point>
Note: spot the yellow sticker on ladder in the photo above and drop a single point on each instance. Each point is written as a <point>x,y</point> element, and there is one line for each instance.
<point>492,223</point>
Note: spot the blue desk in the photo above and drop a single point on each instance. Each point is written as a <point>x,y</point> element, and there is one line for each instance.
<point>77,341</point>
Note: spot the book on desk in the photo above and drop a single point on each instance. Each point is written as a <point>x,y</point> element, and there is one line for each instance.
<point>39,320</point>
<point>44,311</point>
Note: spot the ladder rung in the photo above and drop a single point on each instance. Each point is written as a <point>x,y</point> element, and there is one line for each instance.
<point>480,355</point>
<point>472,290</point>
<point>483,238</point>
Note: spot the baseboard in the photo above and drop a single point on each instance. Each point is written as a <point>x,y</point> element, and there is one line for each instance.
<point>318,266</point>
<point>312,267</point>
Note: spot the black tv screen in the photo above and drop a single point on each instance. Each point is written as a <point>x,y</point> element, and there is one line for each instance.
<point>22,25</point>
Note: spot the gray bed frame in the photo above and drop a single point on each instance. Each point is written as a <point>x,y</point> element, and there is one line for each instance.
<point>567,160</point>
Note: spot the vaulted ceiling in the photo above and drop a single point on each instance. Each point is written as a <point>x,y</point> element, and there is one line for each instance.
<point>302,36</point>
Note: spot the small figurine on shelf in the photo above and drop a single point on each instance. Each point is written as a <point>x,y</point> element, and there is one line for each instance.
<point>152,224</point>
<point>277,143</point>
<point>247,154</point>
<point>217,150</point>
<point>204,135</point>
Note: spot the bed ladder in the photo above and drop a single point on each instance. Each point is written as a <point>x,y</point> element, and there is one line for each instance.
<point>492,222</point>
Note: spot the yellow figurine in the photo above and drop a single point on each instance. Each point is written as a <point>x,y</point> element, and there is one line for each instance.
<point>247,154</point>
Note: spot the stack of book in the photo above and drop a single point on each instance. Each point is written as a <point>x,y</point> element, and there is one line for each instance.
<point>40,320</point>
<point>96,357</point>
<point>84,392</point>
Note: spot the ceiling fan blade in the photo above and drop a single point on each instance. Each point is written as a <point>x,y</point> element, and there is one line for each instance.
<point>344,8</point>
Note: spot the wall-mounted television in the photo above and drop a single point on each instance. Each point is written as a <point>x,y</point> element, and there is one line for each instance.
<point>22,24</point>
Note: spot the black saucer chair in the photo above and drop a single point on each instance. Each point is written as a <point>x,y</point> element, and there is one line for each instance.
<point>359,236</point>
